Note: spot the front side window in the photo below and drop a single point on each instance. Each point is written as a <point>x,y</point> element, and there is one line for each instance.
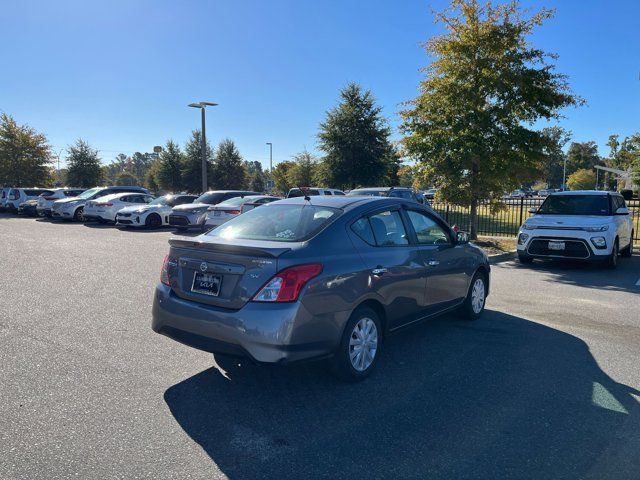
<point>428,231</point>
<point>388,229</point>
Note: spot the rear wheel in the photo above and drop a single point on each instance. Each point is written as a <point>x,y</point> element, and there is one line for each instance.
<point>612,261</point>
<point>153,221</point>
<point>359,347</point>
<point>78,216</point>
<point>473,305</point>
<point>627,252</point>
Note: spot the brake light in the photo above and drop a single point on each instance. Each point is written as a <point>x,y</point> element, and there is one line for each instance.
<point>164,272</point>
<point>233,212</point>
<point>104,204</point>
<point>286,285</point>
<point>50,198</point>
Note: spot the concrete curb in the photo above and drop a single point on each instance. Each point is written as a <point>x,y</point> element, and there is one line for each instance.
<point>502,257</point>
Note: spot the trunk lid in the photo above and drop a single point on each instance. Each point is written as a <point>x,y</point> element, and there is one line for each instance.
<point>237,269</point>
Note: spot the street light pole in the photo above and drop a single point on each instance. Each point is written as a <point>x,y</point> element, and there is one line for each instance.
<point>270,156</point>
<point>203,137</point>
<point>564,174</point>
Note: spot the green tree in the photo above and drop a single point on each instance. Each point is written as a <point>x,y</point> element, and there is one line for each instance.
<point>469,128</point>
<point>255,176</point>
<point>24,155</point>
<point>555,139</point>
<point>583,179</point>
<point>582,155</point>
<point>192,164</point>
<point>170,168</point>
<point>355,140</point>
<point>301,173</point>
<point>83,165</point>
<point>228,170</point>
<point>126,178</point>
<point>280,176</point>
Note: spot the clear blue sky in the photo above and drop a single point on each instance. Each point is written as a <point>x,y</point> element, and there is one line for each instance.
<point>120,73</point>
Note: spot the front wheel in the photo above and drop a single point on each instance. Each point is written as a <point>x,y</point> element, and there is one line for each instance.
<point>473,305</point>
<point>627,252</point>
<point>359,347</point>
<point>78,216</point>
<point>612,261</point>
<point>153,221</point>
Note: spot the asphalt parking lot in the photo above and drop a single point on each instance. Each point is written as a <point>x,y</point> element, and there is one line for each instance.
<point>545,385</point>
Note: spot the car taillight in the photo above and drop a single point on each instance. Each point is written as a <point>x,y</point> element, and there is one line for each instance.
<point>286,285</point>
<point>164,272</point>
<point>50,198</point>
<point>233,212</point>
<point>105,204</point>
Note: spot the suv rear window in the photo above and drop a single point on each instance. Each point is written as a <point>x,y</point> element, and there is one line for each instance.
<point>279,223</point>
<point>296,192</point>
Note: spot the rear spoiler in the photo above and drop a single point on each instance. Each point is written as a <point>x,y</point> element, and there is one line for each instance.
<point>228,248</point>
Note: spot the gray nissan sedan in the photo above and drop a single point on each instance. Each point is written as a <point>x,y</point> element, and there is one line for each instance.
<point>317,277</point>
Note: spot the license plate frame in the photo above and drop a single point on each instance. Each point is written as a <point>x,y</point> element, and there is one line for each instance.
<point>214,279</point>
<point>556,245</point>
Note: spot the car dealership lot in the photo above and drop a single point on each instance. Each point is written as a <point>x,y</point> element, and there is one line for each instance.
<point>544,385</point>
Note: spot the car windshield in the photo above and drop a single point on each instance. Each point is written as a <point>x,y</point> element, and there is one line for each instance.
<point>279,223</point>
<point>575,205</point>
<point>89,193</point>
<point>160,201</point>
<point>209,198</point>
<point>233,202</point>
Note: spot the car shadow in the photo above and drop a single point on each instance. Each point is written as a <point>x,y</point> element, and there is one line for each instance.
<point>591,275</point>
<point>502,397</point>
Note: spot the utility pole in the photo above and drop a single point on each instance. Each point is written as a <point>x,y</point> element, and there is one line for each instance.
<point>270,156</point>
<point>203,136</point>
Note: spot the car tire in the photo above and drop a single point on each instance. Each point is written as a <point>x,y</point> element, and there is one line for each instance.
<point>473,305</point>
<point>612,261</point>
<point>153,220</point>
<point>524,259</point>
<point>628,251</point>
<point>347,364</point>
<point>78,215</point>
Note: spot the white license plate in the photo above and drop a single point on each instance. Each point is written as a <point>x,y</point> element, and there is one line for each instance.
<point>556,245</point>
<point>206,283</point>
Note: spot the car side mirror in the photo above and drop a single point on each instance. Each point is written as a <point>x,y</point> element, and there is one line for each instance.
<point>622,211</point>
<point>533,210</point>
<point>462,238</point>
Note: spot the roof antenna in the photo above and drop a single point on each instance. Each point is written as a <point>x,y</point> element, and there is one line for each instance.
<point>305,191</point>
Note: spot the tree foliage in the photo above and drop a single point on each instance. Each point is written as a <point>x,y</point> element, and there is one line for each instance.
<point>355,140</point>
<point>583,179</point>
<point>169,169</point>
<point>582,155</point>
<point>555,140</point>
<point>255,176</point>
<point>83,165</point>
<point>228,170</point>
<point>280,176</point>
<point>24,155</point>
<point>192,164</point>
<point>470,127</point>
<point>301,173</point>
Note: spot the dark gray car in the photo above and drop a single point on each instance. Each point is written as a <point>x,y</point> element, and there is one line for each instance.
<point>327,277</point>
<point>194,215</point>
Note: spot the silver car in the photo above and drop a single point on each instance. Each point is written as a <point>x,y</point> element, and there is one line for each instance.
<point>330,277</point>
<point>194,215</point>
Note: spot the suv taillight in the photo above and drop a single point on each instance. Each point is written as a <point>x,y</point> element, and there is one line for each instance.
<point>286,285</point>
<point>164,272</point>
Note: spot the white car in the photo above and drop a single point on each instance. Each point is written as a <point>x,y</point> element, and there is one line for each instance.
<point>225,211</point>
<point>313,191</point>
<point>20,195</point>
<point>579,225</point>
<point>45,202</point>
<point>154,214</point>
<point>104,209</point>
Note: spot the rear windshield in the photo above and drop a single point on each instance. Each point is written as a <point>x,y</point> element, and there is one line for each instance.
<point>279,223</point>
<point>296,192</point>
<point>575,205</point>
<point>368,193</point>
<point>233,202</point>
<point>87,194</point>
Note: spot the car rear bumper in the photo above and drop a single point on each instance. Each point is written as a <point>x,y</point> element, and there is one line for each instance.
<point>192,220</point>
<point>264,333</point>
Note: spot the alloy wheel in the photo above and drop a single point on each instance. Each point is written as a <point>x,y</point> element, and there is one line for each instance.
<point>477,296</point>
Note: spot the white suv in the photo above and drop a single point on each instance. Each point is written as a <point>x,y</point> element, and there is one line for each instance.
<point>580,225</point>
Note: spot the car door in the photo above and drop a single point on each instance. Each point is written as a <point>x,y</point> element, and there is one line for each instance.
<point>445,266</point>
<point>395,271</point>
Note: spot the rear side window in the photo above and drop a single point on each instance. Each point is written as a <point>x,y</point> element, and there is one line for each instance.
<point>388,229</point>
<point>279,223</point>
<point>362,228</point>
<point>328,192</point>
<point>338,193</point>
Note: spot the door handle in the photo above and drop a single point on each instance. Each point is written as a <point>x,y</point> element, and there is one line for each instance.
<point>433,263</point>
<point>379,271</point>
